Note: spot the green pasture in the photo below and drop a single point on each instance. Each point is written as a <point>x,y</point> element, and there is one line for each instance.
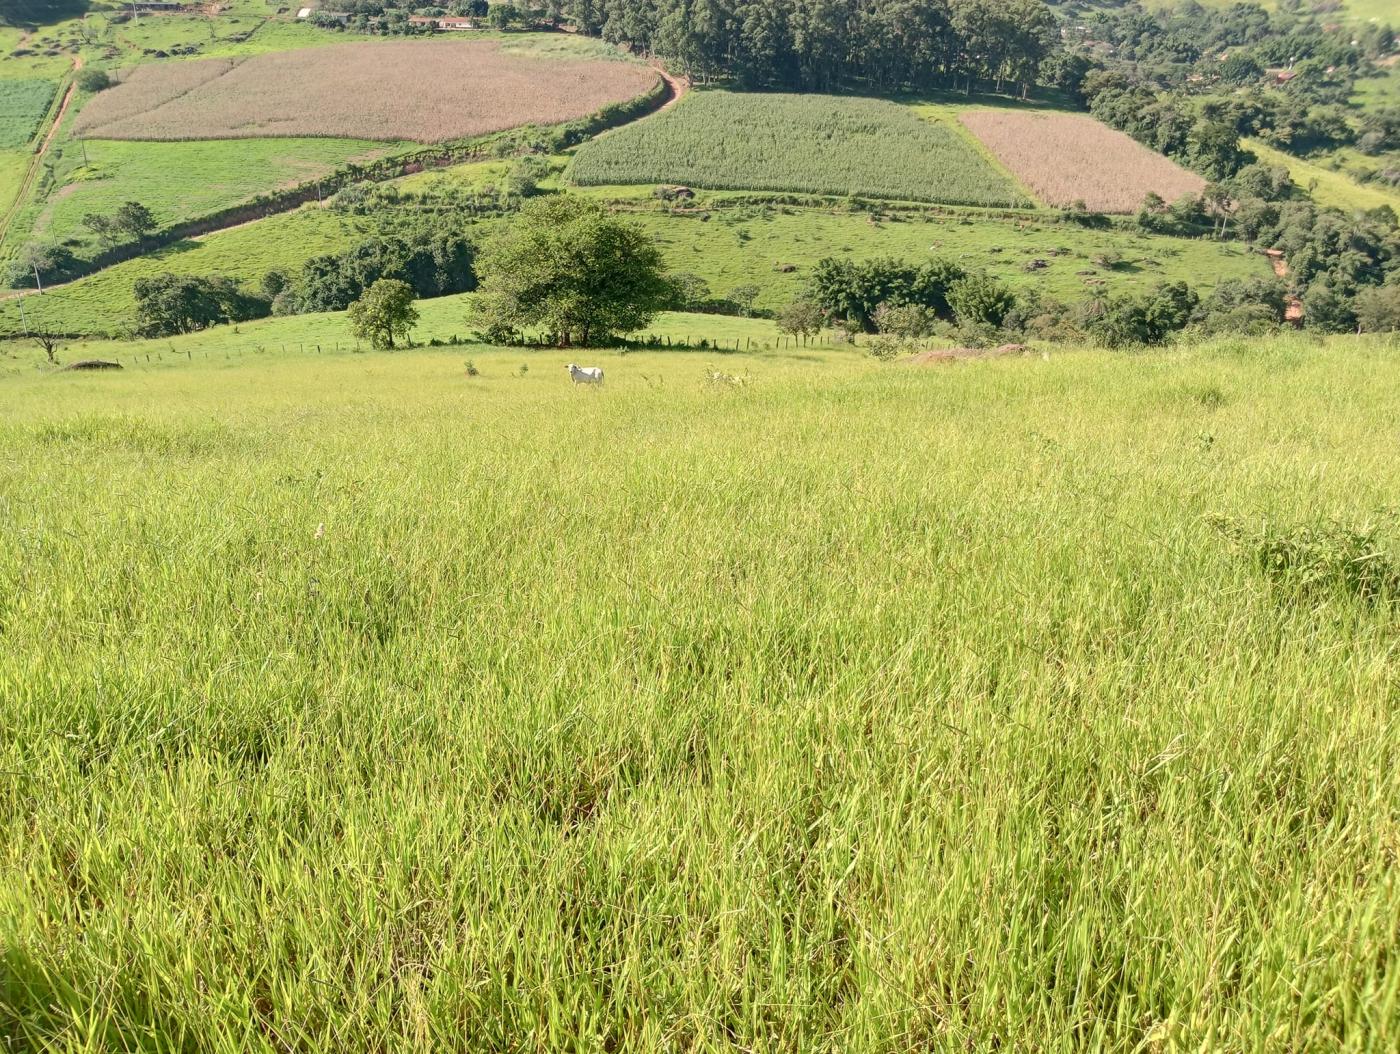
<point>755,246</point>
<point>103,302</point>
<point>772,248</point>
<point>13,165</point>
<point>353,703</point>
<point>23,104</point>
<point>180,180</point>
<point>1326,185</point>
<point>444,320</point>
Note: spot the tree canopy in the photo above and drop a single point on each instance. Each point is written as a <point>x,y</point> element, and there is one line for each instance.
<point>569,268</point>
<point>383,313</point>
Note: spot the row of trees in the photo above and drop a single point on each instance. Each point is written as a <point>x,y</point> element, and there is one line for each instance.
<point>808,45</point>
<point>892,298</point>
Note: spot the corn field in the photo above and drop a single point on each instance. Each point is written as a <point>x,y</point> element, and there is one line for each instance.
<point>816,144</point>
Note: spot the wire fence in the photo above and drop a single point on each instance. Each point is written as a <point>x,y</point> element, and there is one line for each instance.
<point>171,355</point>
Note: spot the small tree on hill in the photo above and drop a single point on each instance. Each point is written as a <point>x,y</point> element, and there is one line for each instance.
<point>48,341</point>
<point>801,318</point>
<point>386,310</point>
<point>135,219</point>
<point>567,266</point>
<point>102,226</point>
<point>743,297</point>
<point>93,80</point>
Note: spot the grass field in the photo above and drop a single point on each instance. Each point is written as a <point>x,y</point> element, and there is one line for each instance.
<point>13,164</point>
<point>816,144</point>
<point>1326,186</point>
<point>355,704</point>
<point>1065,158</point>
<point>751,247</point>
<point>735,247</point>
<point>328,334</point>
<point>23,104</point>
<point>423,90</point>
<point>184,180</point>
<point>103,302</point>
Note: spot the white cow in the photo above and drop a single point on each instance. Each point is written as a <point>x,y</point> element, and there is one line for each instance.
<point>586,374</point>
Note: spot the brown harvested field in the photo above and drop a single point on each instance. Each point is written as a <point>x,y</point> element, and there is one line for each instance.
<point>1069,157</point>
<point>427,91</point>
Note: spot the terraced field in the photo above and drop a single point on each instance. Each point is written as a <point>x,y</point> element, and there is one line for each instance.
<point>805,143</point>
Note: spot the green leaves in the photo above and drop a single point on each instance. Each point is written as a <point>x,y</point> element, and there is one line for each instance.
<point>566,267</point>
<point>384,312</point>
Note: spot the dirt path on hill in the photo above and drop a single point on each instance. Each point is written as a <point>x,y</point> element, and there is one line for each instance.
<point>37,162</point>
<point>680,86</point>
<point>1293,307</point>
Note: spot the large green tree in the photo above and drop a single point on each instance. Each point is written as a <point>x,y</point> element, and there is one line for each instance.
<point>385,312</point>
<point>568,267</point>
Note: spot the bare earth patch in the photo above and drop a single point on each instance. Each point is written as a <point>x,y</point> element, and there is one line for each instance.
<point>426,91</point>
<point>1065,157</point>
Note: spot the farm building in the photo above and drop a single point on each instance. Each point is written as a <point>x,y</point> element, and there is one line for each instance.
<point>447,22</point>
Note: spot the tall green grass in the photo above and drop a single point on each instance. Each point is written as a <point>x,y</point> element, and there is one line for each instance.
<point>180,180</point>
<point>358,705</point>
<point>23,104</point>
<point>819,144</point>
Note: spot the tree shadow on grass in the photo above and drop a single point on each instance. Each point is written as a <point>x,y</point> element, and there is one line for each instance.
<point>31,14</point>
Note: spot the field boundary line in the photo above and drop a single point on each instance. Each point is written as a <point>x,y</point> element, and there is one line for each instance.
<point>233,63</point>
<point>983,149</point>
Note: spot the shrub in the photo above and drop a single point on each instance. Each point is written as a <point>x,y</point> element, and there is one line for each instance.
<point>169,303</point>
<point>852,292</point>
<point>92,80</point>
<point>1316,559</point>
<point>908,321</point>
<point>981,300</point>
<point>801,318</point>
<point>1377,308</point>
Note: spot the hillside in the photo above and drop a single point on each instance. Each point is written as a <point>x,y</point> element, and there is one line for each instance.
<point>657,527</point>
